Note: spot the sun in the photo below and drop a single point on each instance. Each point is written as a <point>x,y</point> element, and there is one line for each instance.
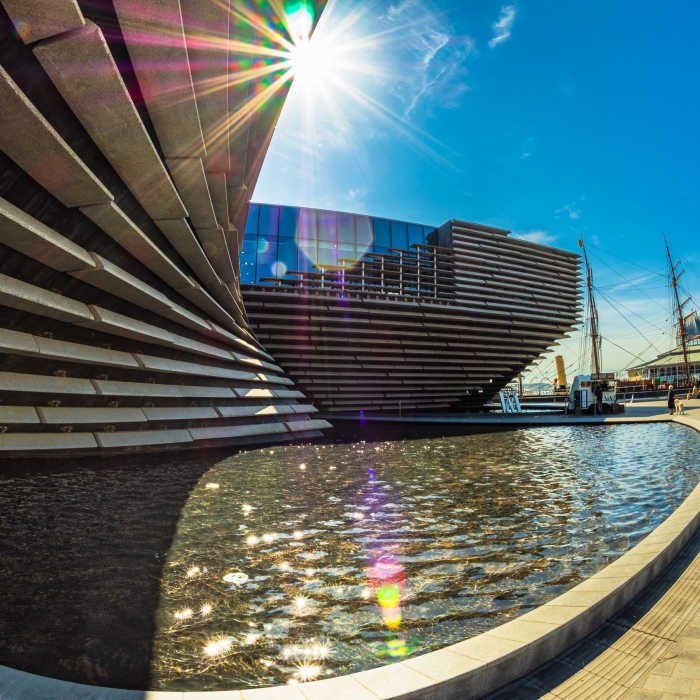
<point>312,61</point>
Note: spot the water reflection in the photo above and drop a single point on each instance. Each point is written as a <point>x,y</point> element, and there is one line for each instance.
<point>375,551</point>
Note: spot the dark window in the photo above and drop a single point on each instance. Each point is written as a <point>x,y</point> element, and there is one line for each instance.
<point>399,235</point>
<point>287,254</point>
<point>415,235</point>
<point>251,227</point>
<point>382,235</point>
<point>269,221</point>
<point>288,222</point>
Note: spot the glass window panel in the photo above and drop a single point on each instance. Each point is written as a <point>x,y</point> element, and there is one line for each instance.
<point>306,264</point>
<point>327,256</point>
<point>382,234</point>
<point>328,226</point>
<point>266,246</point>
<point>384,251</point>
<point>286,255</point>
<point>250,245</point>
<point>364,235</point>
<point>264,266</point>
<point>247,262</point>
<point>399,235</point>
<point>346,228</point>
<point>288,222</point>
<point>427,231</point>
<point>251,227</point>
<point>269,221</point>
<point>415,235</point>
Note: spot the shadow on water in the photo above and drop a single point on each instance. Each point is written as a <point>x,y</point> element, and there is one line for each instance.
<point>80,570</point>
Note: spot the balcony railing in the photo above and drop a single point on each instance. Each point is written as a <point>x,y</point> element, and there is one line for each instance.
<point>425,272</point>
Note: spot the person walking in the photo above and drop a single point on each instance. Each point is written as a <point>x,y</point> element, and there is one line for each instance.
<point>599,399</point>
<point>671,399</point>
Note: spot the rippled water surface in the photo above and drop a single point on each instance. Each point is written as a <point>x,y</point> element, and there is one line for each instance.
<point>299,562</point>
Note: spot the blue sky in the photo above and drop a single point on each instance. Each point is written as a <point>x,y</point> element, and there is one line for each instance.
<point>552,119</point>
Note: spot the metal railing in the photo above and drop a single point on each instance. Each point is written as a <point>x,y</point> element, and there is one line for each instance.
<point>426,272</point>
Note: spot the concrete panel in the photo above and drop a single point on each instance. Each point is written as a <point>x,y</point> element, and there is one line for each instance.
<point>287,394</point>
<point>18,414</point>
<point>237,200</point>
<point>302,408</point>
<point>38,19</point>
<point>29,236</point>
<point>191,182</point>
<point>301,426</point>
<point>200,413</point>
<point>255,393</point>
<point>139,438</point>
<point>74,414</point>
<point>216,248</point>
<point>219,198</point>
<point>27,138</point>
<point>242,411</point>
<point>35,383</point>
<point>110,278</point>
<point>231,431</point>
<point>14,342</point>
<point>162,69</point>
<point>209,68</point>
<point>160,364</point>
<point>87,354</point>
<point>202,299</point>
<point>102,103</point>
<point>106,387</point>
<point>27,297</point>
<point>45,441</point>
<point>112,220</point>
<point>111,322</point>
<point>179,233</point>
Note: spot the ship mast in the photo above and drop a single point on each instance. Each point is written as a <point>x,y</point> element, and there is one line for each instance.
<point>596,340</point>
<point>678,310</point>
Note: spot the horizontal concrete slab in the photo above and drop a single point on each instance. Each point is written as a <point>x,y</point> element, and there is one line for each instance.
<point>141,438</point>
<point>26,234</point>
<point>27,138</point>
<point>76,414</point>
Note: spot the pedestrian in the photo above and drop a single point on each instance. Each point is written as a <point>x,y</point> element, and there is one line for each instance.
<point>671,399</point>
<point>599,398</point>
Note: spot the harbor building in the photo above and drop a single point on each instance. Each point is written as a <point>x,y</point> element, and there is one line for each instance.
<point>368,315</point>
<point>669,367</point>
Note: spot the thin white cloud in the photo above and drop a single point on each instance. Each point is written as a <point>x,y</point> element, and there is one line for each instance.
<point>429,61</point>
<point>537,236</point>
<point>573,213</point>
<point>502,28</point>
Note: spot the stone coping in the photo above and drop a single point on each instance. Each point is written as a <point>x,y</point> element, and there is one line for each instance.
<point>462,671</point>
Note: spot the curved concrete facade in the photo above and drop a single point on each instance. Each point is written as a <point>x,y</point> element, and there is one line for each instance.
<point>128,149</point>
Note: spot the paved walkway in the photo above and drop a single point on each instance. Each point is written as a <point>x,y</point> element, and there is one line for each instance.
<point>648,651</point>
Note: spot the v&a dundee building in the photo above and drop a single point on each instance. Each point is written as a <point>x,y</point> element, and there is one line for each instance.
<point>145,304</point>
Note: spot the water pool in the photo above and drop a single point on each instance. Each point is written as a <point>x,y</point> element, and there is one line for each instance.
<point>292,563</point>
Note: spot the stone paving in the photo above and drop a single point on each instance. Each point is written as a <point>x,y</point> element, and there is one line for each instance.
<point>648,651</point>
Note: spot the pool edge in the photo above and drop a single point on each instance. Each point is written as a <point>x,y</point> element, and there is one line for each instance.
<point>466,670</point>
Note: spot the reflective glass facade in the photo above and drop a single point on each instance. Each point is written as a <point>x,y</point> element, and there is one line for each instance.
<point>278,239</point>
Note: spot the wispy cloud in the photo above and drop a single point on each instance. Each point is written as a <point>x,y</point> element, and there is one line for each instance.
<point>430,57</point>
<point>537,236</point>
<point>573,213</point>
<point>502,28</point>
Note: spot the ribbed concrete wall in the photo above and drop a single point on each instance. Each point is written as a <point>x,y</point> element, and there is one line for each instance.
<point>493,307</point>
<point>127,154</point>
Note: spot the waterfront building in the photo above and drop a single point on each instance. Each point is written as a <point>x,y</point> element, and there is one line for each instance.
<point>669,367</point>
<point>368,315</point>
<point>132,133</point>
